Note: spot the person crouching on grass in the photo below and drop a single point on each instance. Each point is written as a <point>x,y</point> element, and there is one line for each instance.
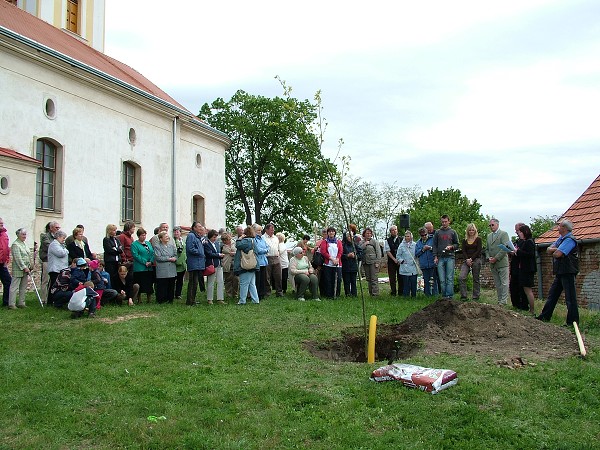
<point>84,299</point>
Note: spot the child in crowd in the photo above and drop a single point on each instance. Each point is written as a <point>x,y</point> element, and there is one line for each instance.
<point>79,273</point>
<point>101,284</point>
<point>83,300</point>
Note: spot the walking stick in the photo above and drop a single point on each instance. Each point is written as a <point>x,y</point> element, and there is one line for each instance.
<point>35,249</point>
<point>36,289</point>
<point>335,280</point>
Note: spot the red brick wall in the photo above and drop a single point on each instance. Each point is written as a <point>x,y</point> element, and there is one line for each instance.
<point>588,279</point>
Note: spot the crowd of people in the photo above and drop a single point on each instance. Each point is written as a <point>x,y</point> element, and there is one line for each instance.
<point>254,262</point>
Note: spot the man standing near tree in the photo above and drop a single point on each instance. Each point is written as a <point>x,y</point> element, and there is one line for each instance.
<point>445,243</point>
<point>274,263</point>
<point>498,258</point>
<point>391,247</point>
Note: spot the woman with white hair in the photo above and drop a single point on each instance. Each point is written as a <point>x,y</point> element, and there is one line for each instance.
<point>408,265</point>
<point>21,267</point>
<point>303,275</point>
<point>58,257</point>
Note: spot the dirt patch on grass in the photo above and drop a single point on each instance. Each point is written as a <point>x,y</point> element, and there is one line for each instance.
<point>124,318</point>
<point>456,328</point>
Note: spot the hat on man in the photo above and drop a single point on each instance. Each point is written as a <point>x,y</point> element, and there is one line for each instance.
<point>81,262</point>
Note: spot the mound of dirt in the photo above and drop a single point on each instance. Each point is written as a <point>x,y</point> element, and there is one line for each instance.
<point>456,328</point>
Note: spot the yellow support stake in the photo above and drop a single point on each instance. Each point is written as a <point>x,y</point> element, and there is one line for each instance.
<point>372,334</point>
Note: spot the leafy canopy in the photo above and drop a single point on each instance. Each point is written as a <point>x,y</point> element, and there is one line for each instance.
<point>431,206</point>
<point>274,169</point>
<point>541,224</point>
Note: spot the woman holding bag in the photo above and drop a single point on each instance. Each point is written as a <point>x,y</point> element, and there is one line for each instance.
<point>245,244</point>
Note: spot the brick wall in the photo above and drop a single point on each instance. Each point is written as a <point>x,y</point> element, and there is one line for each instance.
<point>588,279</point>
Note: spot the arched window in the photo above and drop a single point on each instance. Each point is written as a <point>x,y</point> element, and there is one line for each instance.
<point>130,192</point>
<point>49,175</point>
<point>198,209</point>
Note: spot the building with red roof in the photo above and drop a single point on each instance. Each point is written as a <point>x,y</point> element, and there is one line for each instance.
<point>584,213</point>
<point>87,139</point>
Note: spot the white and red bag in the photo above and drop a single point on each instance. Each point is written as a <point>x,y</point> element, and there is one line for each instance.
<point>423,378</point>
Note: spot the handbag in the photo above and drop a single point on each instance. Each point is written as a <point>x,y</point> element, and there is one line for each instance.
<point>317,260</point>
<point>209,270</point>
<point>248,260</point>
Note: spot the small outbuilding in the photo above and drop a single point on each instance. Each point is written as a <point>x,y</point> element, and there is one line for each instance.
<point>585,216</point>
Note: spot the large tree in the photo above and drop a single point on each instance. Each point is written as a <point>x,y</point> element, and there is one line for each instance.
<point>275,171</point>
<point>431,206</point>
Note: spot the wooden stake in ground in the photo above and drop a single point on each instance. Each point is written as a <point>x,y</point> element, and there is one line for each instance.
<point>579,340</point>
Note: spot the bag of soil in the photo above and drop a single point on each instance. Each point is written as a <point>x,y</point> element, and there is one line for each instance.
<point>423,378</point>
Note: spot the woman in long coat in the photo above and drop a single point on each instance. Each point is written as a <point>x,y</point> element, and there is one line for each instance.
<point>165,256</point>
<point>21,267</point>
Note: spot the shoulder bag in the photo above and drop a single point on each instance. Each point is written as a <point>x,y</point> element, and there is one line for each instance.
<point>248,259</point>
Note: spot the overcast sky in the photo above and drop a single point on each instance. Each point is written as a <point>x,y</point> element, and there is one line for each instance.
<point>498,99</point>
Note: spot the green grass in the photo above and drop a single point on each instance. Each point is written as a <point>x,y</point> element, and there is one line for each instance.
<point>231,377</point>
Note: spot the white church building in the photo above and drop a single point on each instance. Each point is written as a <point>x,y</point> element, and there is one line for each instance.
<point>85,139</point>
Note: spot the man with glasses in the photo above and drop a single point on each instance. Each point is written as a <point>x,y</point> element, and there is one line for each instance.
<point>445,243</point>
<point>498,258</point>
<point>565,266</point>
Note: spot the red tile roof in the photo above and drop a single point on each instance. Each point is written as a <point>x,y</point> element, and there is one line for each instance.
<point>29,26</point>
<point>585,215</point>
<point>16,155</point>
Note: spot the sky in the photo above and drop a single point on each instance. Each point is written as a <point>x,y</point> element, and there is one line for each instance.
<point>500,100</point>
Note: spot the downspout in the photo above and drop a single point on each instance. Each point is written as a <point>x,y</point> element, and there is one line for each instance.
<point>538,263</point>
<point>174,175</point>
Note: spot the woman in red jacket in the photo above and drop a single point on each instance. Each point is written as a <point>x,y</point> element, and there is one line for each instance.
<point>331,249</point>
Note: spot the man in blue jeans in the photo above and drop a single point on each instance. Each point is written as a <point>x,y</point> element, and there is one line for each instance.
<point>445,243</point>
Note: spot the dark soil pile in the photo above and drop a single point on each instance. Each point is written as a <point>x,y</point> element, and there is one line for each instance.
<point>457,328</point>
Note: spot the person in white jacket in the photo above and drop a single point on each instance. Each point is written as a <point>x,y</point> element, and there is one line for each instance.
<point>408,265</point>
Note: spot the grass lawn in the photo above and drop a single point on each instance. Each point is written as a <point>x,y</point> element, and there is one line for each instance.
<point>238,377</point>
